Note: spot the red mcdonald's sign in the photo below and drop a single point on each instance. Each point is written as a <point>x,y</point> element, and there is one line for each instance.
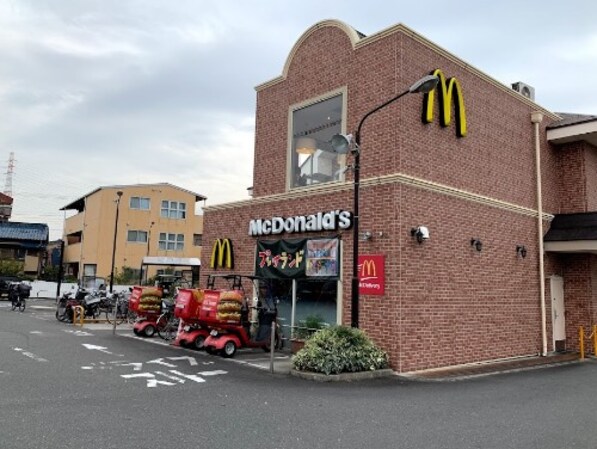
<point>372,276</point>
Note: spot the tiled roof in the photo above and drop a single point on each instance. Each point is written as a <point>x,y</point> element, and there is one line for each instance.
<point>571,119</point>
<point>570,227</point>
<point>10,230</point>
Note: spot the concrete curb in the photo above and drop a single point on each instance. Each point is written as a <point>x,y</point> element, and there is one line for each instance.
<point>342,377</point>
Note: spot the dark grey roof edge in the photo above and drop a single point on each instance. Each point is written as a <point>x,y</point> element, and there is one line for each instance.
<point>569,119</point>
<point>72,204</point>
<point>571,227</point>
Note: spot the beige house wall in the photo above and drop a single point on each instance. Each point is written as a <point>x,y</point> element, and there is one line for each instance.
<point>97,224</point>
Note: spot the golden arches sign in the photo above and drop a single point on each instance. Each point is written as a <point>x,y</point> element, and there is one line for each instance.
<point>221,254</point>
<point>369,269</point>
<point>449,92</point>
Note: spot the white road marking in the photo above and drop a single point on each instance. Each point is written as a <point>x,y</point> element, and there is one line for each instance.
<point>30,355</point>
<point>160,361</point>
<point>100,349</point>
<point>192,361</point>
<point>78,333</point>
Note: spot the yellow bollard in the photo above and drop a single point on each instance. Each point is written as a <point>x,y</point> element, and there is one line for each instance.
<point>78,312</point>
<point>581,344</point>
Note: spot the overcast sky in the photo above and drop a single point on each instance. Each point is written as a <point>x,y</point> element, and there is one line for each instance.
<point>104,92</point>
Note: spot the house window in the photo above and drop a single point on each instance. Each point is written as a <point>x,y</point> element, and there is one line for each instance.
<point>171,242</point>
<point>174,209</point>
<point>137,202</point>
<point>312,159</point>
<point>197,239</point>
<point>137,236</point>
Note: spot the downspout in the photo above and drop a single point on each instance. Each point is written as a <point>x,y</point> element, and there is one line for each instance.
<point>536,119</point>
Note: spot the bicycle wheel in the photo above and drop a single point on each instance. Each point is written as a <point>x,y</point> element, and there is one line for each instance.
<point>120,315</point>
<point>22,303</point>
<point>167,326</point>
<point>131,317</point>
<point>109,309</point>
<point>170,331</point>
<point>14,304</point>
<point>162,322</point>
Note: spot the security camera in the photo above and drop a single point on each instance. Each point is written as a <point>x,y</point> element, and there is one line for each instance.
<point>424,232</point>
<point>420,233</point>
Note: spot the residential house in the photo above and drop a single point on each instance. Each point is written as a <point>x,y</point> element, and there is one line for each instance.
<point>25,243</point>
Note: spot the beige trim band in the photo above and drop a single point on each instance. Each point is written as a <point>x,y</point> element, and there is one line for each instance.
<point>398,178</point>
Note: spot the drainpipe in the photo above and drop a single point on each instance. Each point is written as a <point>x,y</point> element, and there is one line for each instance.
<point>536,119</point>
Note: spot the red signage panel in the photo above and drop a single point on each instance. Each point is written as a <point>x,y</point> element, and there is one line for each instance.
<point>372,276</point>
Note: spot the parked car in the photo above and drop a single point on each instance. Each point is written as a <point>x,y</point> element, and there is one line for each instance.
<point>5,282</point>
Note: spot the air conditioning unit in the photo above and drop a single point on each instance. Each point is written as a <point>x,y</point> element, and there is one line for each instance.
<point>524,90</point>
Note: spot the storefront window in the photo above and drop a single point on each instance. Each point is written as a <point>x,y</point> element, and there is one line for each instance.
<point>312,159</point>
<point>313,298</point>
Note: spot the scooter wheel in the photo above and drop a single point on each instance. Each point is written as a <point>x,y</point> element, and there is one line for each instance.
<point>199,342</point>
<point>229,349</point>
<point>149,331</point>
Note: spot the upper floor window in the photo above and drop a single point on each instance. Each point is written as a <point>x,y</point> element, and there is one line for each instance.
<point>174,209</point>
<point>138,202</point>
<point>312,159</point>
<point>137,236</point>
<point>171,242</point>
<point>197,239</point>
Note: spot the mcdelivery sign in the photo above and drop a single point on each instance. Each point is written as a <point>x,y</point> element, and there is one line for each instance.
<point>321,221</point>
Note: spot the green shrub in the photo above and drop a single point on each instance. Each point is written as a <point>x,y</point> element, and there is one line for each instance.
<point>308,326</point>
<point>339,349</point>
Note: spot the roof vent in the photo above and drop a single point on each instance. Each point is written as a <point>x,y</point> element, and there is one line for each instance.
<point>525,90</point>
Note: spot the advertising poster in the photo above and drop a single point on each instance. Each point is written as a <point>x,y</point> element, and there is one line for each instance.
<point>298,259</point>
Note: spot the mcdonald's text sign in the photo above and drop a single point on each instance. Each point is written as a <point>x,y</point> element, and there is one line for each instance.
<point>372,276</point>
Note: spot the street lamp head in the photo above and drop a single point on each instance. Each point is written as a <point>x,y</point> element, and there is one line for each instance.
<point>424,85</point>
<point>342,143</point>
<point>119,193</point>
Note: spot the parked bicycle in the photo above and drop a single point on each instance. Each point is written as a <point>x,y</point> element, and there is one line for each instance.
<point>167,323</point>
<point>18,292</point>
<point>118,309</point>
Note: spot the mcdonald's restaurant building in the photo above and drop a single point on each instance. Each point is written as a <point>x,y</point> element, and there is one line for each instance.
<point>465,254</point>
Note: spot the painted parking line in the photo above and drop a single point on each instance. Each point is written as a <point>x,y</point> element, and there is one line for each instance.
<point>30,355</point>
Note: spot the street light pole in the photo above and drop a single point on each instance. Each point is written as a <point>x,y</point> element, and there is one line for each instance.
<point>119,193</point>
<point>342,144</point>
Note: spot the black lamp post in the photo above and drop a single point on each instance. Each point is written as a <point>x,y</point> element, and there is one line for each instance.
<point>119,193</point>
<point>343,144</point>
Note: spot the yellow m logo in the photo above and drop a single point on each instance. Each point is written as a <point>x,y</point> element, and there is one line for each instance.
<point>369,269</point>
<point>447,90</point>
<point>221,254</point>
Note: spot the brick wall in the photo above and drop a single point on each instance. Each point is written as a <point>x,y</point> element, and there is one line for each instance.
<point>445,303</point>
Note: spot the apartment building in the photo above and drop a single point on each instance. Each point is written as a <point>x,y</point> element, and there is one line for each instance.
<point>128,223</point>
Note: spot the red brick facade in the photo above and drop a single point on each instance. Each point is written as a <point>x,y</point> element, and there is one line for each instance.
<point>445,303</point>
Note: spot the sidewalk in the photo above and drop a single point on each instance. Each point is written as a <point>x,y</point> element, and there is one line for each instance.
<point>491,368</point>
<point>283,364</point>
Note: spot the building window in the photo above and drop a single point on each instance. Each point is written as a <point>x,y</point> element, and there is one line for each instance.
<point>312,159</point>
<point>197,239</point>
<point>137,236</point>
<point>137,202</point>
<point>171,242</point>
<point>89,269</point>
<point>174,209</point>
